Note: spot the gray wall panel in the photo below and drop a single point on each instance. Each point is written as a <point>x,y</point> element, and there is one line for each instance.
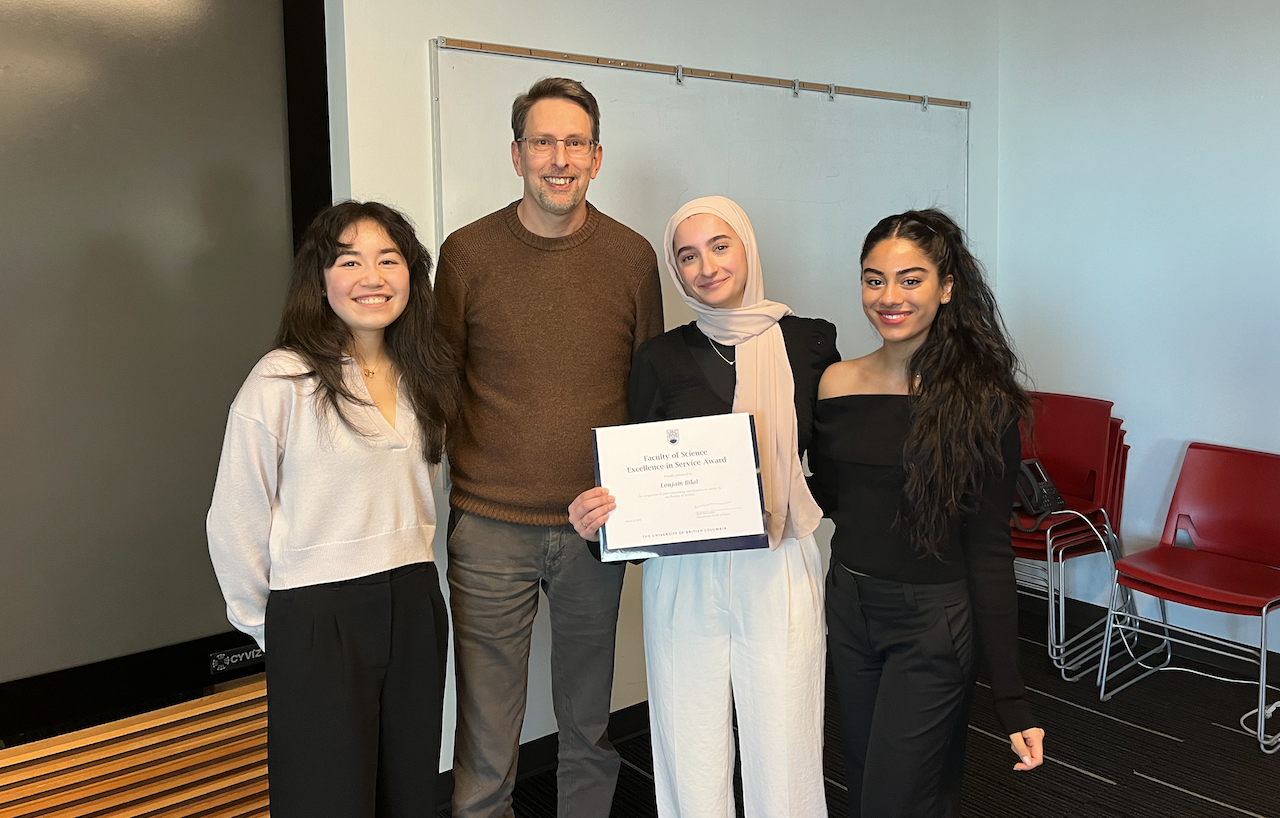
<point>144,251</point>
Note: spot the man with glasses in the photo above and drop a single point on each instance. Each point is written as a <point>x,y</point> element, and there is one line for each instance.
<point>544,303</point>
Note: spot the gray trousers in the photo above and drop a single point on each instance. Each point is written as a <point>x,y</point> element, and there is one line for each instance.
<point>495,571</point>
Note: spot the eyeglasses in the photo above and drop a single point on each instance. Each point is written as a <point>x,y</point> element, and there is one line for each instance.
<point>575,146</point>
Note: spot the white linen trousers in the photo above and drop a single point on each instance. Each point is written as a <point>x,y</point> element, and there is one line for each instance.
<point>744,628</point>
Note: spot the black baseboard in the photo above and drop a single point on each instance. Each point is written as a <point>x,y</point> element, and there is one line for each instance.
<point>539,755</point>
<point>55,703</point>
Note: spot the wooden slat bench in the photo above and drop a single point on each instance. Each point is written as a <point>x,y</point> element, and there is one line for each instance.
<point>205,758</point>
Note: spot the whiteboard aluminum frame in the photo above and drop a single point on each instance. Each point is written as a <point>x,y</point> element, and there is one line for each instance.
<point>680,72</point>
<point>437,160</point>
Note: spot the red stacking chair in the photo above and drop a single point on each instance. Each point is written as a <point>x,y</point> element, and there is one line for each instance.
<point>1225,503</point>
<point>1116,508</point>
<point>1082,449</point>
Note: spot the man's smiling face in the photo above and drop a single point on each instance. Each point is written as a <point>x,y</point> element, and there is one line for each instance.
<point>556,183</point>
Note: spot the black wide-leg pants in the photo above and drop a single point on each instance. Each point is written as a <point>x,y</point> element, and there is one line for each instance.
<point>355,689</point>
<point>903,659</point>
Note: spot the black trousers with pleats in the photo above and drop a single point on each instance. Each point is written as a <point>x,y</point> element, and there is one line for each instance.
<point>355,688</point>
<point>904,664</point>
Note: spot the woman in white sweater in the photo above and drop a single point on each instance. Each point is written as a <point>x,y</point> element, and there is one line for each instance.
<point>322,519</point>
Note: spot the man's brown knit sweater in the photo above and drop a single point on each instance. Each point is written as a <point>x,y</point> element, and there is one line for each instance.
<point>544,330</point>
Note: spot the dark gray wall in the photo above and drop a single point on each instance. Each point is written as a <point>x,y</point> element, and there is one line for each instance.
<point>144,251</point>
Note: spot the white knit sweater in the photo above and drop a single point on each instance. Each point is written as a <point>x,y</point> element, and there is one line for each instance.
<point>302,499</point>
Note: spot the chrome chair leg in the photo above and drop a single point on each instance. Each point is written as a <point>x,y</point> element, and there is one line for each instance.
<point>1269,743</point>
<point>1106,675</point>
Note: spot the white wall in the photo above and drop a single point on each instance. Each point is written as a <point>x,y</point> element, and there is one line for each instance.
<point>932,47</point>
<point>1138,226</point>
<point>1130,176</point>
<point>923,46</point>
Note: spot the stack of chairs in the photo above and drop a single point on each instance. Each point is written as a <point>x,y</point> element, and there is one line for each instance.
<point>1082,448</point>
<point>1220,551</point>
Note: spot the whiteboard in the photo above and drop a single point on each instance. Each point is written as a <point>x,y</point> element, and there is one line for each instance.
<point>814,174</point>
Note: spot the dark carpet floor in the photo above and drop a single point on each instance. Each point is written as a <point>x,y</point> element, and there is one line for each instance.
<point>1170,746</point>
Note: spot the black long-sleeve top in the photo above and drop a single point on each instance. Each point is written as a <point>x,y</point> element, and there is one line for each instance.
<point>858,480</point>
<point>668,381</point>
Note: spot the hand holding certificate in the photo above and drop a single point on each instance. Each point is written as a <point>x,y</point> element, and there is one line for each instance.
<point>682,486</point>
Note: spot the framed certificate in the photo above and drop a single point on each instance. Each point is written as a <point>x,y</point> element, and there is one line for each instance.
<point>684,486</point>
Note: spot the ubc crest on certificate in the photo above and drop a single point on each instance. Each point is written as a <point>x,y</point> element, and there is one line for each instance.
<point>686,489</point>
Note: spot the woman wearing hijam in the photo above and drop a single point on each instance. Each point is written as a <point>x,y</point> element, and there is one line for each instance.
<point>742,629</point>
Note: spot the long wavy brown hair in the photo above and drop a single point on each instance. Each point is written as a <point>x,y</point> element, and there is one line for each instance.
<point>310,327</point>
<point>968,390</point>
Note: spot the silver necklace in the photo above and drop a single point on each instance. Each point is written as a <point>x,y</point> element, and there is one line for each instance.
<point>718,352</point>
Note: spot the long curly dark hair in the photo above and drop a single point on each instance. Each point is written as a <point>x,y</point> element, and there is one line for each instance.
<point>967,392</point>
<point>310,327</point>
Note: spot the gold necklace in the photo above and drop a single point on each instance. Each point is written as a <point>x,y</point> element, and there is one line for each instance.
<point>718,352</point>
<point>370,371</point>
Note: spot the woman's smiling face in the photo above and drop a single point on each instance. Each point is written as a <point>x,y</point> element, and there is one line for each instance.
<point>902,291</point>
<point>368,283</point>
<point>711,260</point>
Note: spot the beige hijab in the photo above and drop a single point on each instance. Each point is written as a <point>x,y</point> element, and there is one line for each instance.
<point>765,387</point>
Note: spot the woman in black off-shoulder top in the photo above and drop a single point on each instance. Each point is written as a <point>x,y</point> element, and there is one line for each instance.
<point>914,456</point>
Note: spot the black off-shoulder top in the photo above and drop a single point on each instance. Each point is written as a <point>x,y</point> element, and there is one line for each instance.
<point>674,375</point>
<point>856,458</point>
